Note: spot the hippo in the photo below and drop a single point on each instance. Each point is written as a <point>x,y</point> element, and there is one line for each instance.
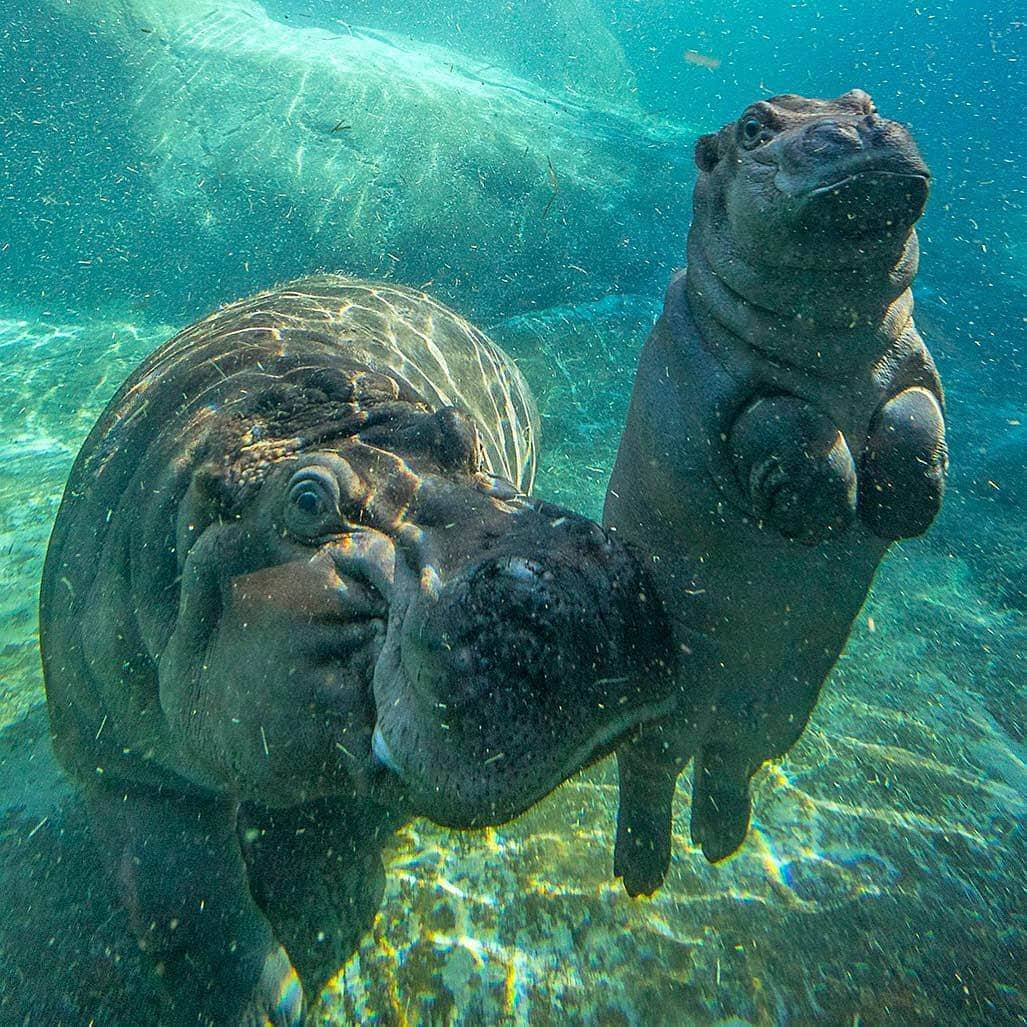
<point>786,425</point>
<point>297,594</point>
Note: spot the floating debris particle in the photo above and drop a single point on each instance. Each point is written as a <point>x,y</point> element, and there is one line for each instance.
<point>554,184</point>
<point>702,60</point>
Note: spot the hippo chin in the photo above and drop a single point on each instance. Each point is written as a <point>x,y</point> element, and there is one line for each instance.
<point>296,594</point>
<point>786,425</point>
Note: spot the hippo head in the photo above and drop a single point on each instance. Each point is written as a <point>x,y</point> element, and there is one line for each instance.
<point>805,183</point>
<point>365,608</point>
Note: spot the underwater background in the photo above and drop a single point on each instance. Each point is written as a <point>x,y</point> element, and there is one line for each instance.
<point>530,164</point>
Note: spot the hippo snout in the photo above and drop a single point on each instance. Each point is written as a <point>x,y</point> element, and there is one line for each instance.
<point>830,138</point>
<point>834,137</point>
<point>495,621</point>
<point>517,668</point>
<point>851,178</point>
<point>832,150</point>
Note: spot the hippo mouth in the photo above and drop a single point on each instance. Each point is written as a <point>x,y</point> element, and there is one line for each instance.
<point>586,753</point>
<point>505,683</point>
<point>870,202</point>
<point>874,180</point>
<point>488,791</point>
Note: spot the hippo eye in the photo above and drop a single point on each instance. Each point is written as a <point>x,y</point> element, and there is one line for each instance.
<point>752,130</point>
<point>307,498</point>
<point>311,499</point>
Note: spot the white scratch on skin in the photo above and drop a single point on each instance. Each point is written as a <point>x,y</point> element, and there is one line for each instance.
<point>263,738</point>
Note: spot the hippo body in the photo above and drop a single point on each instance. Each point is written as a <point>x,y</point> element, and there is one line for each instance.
<point>295,595</point>
<point>785,427</point>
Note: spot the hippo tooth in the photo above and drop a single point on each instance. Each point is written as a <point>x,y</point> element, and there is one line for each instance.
<point>431,582</point>
<point>382,753</point>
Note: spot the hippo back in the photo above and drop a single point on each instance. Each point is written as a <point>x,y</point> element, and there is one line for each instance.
<point>378,326</point>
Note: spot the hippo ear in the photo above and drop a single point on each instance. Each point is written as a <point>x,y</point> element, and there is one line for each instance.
<point>205,501</point>
<point>858,98</point>
<point>209,492</point>
<point>707,152</point>
<point>458,445</point>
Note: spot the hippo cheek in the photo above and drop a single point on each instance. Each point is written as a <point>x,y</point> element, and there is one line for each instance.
<point>760,209</point>
<point>276,702</point>
<point>297,723</point>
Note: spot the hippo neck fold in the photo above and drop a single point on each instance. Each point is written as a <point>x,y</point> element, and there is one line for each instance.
<point>826,322</point>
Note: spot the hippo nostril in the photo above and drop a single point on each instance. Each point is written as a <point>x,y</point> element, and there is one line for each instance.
<point>521,569</point>
<point>461,662</point>
<point>519,587</point>
<point>594,535</point>
<point>832,137</point>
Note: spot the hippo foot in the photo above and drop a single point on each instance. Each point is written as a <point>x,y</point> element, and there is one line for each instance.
<point>648,777</point>
<point>641,856</point>
<point>903,467</point>
<point>274,1000</point>
<point>809,507</point>
<point>278,996</point>
<point>316,872</point>
<point>720,806</point>
<point>794,468</point>
<point>180,872</point>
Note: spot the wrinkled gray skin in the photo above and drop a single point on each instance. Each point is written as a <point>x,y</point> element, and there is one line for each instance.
<point>290,603</point>
<point>785,427</point>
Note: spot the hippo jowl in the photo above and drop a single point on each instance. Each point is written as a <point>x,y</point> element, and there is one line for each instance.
<point>297,593</point>
<point>785,427</point>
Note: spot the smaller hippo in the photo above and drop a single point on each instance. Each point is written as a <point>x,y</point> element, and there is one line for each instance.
<point>296,594</point>
<point>785,427</point>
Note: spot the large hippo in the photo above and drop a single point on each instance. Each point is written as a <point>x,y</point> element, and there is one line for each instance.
<point>296,593</point>
<point>785,427</point>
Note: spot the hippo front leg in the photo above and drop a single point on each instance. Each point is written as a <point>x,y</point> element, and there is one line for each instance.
<point>902,477</point>
<point>181,876</point>
<point>317,873</point>
<point>794,468</point>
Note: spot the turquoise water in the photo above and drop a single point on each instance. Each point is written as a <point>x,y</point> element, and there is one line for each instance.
<point>531,165</point>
